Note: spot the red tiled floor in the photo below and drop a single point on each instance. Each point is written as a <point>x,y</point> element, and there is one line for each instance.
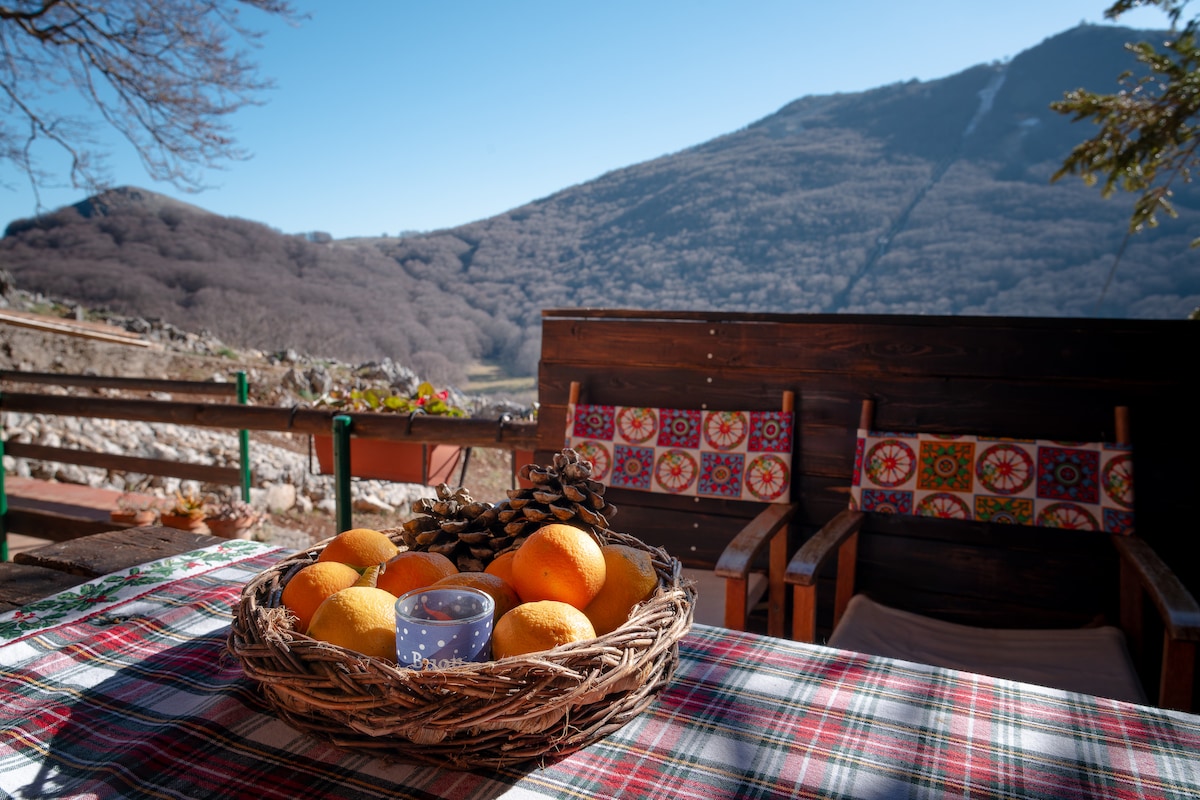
<point>71,494</point>
<point>69,498</point>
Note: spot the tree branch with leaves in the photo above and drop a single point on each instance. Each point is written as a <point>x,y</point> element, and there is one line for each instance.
<point>1147,140</point>
<point>165,74</point>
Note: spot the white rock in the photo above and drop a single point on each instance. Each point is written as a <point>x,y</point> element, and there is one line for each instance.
<point>280,497</point>
<point>371,504</point>
<point>163,451</point>
<point>71,473</point>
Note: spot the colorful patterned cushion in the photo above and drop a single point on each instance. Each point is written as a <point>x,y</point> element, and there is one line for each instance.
<point>738,455</point>
<point>1084,486</point>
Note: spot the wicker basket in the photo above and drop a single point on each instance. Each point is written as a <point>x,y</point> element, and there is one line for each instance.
<point>536,707</point>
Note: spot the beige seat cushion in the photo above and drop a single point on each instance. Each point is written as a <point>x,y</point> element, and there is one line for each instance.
<point>710,594</point>
<point>1090,660</point>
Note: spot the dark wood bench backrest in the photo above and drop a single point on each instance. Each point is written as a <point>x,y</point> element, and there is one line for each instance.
<point>1039,378</point>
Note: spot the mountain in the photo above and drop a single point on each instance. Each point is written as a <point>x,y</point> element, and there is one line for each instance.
<point>136,252</point>
<point>918,197</point>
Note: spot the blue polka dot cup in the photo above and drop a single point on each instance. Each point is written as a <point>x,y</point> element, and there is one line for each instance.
<point>442,627</point>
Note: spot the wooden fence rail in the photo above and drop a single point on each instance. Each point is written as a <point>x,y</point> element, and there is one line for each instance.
<point>183,470</point>
<point>126,384</point>
<point>460,431</point>
<point>500,433</point>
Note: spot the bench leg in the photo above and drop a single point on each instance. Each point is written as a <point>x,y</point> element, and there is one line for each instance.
<point>804,595</point>
<point>847,562</point>
<point>1178,674</point>
<point>776,590</point>
<point>804,613</point>
<point>1132,610</point>
<point>735,604</point>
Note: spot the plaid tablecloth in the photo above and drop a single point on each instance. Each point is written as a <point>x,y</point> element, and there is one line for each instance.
<point>120,688</point>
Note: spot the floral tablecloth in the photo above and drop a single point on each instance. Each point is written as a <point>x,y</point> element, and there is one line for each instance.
<point>122,688</point>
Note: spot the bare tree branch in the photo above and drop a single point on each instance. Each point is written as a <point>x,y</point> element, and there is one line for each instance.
<point>165,74</point>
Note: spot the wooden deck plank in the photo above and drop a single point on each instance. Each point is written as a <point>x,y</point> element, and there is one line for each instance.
<point>79,328</point>
<point>36,572</point>
<point>102,553</point>
<point>23,583</point>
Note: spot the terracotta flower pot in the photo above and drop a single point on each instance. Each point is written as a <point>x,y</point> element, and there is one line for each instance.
<point>520,459</point>
<point>134,518</point>
<point>238,528</point>
<point>386,460</point>
<point>183,522</point>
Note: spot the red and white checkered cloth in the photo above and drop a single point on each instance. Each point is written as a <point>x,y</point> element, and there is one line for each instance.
<point>131,695</point>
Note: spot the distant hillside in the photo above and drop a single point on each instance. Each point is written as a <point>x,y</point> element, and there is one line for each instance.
<point>918,197</point>
<point>136,252</point>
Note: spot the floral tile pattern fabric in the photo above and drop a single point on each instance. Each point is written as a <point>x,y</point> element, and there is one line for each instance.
<point>738,455</point>
<point>100,595</point>
<point>1077,485</point>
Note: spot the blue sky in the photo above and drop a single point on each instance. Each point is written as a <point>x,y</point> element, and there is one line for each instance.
<point>393,115</point>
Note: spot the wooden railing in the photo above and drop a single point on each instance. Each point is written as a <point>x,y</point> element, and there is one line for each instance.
<point>78,406</point>
<point>462,432</point>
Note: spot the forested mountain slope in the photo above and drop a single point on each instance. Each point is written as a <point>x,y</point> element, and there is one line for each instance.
<point>918,197</point>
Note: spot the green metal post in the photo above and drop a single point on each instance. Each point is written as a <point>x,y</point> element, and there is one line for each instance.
<point>3,508</point>
<point>341,470</point>
<point>244,437</point>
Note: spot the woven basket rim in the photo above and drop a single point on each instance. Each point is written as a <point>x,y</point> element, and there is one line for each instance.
<point>303,558</point>
<point>534,706</point>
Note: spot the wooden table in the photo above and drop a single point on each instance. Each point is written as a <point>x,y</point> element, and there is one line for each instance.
<point>122,688</point>
<point>36,573</point>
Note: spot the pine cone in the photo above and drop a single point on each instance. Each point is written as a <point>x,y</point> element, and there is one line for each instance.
<point>563,492</point>
<point>456,526</point>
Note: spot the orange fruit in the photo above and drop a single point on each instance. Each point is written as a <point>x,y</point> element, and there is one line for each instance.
<point>414,569</point>
<point>309,587</point>
<point>558,562</point>
<point>360,618</point>
<point>629,579</point>
<point>501,566</point>
<point>541,625</point>
<point>360,548</point>
<point>505,595</point>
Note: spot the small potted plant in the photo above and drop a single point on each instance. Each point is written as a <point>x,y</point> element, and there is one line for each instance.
<point>134,510</point>
<point>187,513</point>
<point>231,518</point>
<point>382,459</point>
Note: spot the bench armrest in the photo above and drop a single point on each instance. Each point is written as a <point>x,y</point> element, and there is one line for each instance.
<point>769,528</point>
<point>1144,573</point>
<point>738,556</point>
<point>803,568</point>
<point>1178,608</point>
<point>840,535</point>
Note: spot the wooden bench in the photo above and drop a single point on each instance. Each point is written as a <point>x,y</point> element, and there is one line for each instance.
<point>698,452</point>
<point>937,476</point>
<point>1044,377</point>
